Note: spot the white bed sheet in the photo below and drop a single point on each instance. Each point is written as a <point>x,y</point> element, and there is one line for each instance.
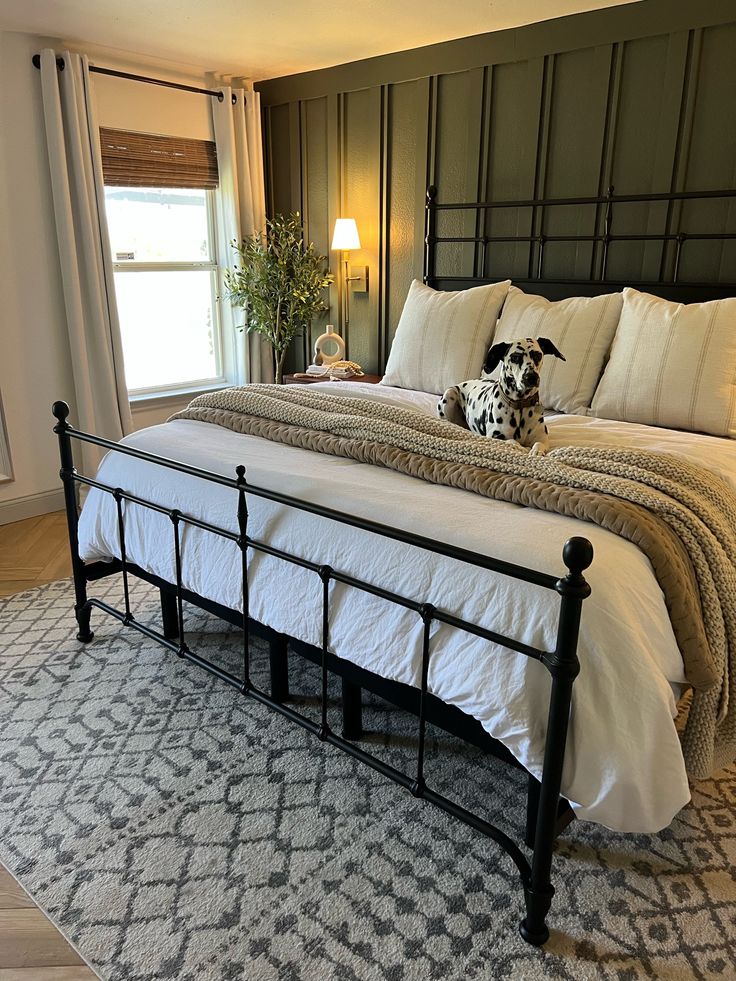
<point>624,766</point>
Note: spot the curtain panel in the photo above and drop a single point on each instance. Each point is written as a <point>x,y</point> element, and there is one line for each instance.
<point>100,391</point>
<point>241,212</point>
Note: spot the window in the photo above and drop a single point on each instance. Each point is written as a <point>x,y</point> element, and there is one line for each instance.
<point>163,250</point>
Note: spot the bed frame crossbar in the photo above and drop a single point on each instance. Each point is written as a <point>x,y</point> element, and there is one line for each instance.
<point>562,663</point>
<point>537,239</point>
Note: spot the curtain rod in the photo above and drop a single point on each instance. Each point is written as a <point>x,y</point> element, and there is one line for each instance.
<point>141,78</point>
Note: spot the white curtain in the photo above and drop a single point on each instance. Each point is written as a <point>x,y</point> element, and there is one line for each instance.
<point>72,136</point>
<point>241,212</point>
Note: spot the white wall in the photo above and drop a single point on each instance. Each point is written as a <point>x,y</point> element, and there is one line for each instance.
<point>35,366</point>
<point>34,354</point>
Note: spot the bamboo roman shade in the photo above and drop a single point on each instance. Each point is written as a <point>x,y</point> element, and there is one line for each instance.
<point>147,160</point>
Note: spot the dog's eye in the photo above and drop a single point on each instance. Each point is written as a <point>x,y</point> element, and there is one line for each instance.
<point>516,358</point>
<point>537,356</point>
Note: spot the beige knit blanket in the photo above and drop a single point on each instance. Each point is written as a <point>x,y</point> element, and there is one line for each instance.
<point>681,517</point>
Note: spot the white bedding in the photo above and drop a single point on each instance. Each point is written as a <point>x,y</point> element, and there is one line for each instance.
<point>624,767</point>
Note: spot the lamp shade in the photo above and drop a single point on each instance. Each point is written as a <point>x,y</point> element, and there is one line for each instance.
<point>345,236</point>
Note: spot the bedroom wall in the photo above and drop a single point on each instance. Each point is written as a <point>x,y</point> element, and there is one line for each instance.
<point>641,96</point>
<point>35,365</point>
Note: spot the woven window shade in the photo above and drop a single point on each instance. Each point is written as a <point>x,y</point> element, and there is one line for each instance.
<point>146,160</point>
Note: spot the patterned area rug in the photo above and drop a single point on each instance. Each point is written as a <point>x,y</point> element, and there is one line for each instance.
<point>176,830</point>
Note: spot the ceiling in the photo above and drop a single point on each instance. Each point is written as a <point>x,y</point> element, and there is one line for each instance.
<point>266,38</point>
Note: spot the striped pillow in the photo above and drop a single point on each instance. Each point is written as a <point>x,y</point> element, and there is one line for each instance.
<point>442,338</point>
<point>672,365</point>
<point>581,327</point>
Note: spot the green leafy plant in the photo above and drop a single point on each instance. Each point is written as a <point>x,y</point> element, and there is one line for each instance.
<point>280,282</point>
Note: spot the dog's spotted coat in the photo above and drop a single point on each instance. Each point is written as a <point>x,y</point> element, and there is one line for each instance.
<point>506,408</point>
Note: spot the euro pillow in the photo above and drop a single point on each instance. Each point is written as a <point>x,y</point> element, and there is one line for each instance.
<point>442,338</point>
<point>581,327</point>
<point>672,365</point>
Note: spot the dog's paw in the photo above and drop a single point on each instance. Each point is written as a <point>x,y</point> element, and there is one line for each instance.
<point>539,449</point>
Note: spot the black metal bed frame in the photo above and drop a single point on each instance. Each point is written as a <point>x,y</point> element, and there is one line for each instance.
<point>547,812</point>
<point>669,286</point>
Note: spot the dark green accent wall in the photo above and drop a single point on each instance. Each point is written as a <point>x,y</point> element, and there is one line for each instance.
<point>641,96</point>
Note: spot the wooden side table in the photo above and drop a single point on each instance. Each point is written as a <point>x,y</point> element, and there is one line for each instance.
<point>366,379</point>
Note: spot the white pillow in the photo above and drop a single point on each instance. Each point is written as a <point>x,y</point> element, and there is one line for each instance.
<point>442,338</point>
<point>580,327</point>
<point>672,365</point>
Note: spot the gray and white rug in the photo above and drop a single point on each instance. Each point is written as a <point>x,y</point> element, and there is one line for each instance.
<point>174,829</point>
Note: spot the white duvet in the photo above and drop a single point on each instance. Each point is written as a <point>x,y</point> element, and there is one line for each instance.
<point>624,767</point>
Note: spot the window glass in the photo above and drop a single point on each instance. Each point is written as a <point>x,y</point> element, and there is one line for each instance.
<point>167,323</point>
<point>158,224</point>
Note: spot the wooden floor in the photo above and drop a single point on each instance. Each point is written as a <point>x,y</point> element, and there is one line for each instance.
<point>33,552</point>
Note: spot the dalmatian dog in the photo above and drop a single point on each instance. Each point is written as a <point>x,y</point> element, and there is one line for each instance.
<point>506,408</point>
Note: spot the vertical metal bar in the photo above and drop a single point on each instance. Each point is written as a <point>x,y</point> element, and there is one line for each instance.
<point>540,256</point>
<point>680,242</point>
<point>430,232</point>
<point>564,667</point>
<point>243,546</point>
<point>427,614</point>
<point>325,574</point>
<point>175,517</point>
<point>607,222</point>
<point>118,495</point>
<point>82,610</point>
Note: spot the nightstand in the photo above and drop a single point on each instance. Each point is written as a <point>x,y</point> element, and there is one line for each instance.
<point>366,379</point>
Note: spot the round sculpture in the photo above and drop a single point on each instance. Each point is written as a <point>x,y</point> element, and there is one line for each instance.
<point>324,342</point>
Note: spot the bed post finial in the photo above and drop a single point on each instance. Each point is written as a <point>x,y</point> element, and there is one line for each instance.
<point>577,555</point>
<point>60,411</point>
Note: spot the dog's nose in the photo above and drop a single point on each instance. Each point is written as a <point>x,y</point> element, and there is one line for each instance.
<point>531,378</point>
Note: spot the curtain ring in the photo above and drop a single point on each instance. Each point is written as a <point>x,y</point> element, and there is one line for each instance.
<point>220,96</point>
<point>235,99</point>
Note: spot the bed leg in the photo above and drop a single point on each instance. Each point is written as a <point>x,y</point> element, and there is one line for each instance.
<point>532,809</point>
<point>82,610</point>
<point>352,710</point>
<point>278,658</point>
<point>563,666</point>
<point>169,614</point>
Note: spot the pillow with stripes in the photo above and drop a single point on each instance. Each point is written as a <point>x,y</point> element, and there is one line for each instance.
<point>443,337</point>
<point>580,327</point>
<point>672,365</point>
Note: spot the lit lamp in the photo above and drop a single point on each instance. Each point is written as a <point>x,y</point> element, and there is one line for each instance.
<point>344,238</point>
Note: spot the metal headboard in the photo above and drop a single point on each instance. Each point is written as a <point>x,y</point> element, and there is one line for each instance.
<point>667,284</point>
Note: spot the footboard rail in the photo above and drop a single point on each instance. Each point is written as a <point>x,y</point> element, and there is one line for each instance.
<point>562,663</point>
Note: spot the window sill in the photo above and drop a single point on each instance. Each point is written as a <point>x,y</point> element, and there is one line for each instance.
<point>155,400</point>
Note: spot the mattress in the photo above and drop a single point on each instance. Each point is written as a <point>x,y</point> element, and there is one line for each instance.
<point>624,766</point>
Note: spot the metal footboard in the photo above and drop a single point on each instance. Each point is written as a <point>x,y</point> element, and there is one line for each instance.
<point>562,663</point>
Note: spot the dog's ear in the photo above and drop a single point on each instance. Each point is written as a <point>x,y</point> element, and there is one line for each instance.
<point>495,356</point>
<point>548,348</point>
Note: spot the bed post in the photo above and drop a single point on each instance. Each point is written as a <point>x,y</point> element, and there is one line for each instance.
<point>82,610</point>
<point>563,665</point>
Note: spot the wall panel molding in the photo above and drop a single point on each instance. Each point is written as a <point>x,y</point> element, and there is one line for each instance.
<point>641,97</point>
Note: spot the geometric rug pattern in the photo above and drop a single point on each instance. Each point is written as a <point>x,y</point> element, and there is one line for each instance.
<point>174,829</point>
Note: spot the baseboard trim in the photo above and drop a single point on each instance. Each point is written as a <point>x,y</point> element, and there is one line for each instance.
<point>31,506</point>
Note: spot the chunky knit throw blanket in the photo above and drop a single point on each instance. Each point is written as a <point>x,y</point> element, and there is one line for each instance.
<point>682,517</point>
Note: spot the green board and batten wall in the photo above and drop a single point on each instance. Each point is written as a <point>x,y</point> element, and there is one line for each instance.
<point>641,97</point>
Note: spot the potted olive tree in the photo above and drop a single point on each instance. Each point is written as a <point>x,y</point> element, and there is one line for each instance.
<point>280,282</point>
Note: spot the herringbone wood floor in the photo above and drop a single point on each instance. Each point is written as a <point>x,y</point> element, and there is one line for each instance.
<point>33,552</point>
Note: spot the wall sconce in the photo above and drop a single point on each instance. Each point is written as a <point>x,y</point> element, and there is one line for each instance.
<point>344,238</point>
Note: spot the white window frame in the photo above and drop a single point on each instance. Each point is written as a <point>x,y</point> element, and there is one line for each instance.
<point>221,380</point>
